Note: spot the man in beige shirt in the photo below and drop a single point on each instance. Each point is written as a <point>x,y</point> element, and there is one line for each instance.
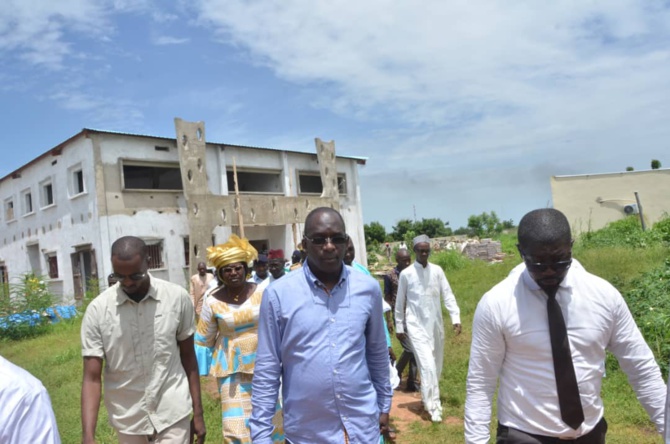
<point>143,329</point>
<point>199,284</point>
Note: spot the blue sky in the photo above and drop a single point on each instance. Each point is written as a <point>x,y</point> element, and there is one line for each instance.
<point>461,107</point>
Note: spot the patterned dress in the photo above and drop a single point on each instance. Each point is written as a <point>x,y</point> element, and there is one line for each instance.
<point>230,333</point>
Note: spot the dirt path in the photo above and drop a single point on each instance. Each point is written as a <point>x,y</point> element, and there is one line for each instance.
<point>406,408</point>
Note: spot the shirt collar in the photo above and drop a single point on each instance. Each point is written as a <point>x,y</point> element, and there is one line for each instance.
<point>315,281</point>
<point>419,266</point>
<point>122,297</point>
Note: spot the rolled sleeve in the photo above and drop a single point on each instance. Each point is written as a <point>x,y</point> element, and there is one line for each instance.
<point>91,335</point>
<point>187,319</point>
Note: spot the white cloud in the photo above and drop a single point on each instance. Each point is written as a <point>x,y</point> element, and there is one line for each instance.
<point>564,85</point>
<point>163,40</point>
<point>35,29</point>
<point>112,113</point>
<point>454,64</point>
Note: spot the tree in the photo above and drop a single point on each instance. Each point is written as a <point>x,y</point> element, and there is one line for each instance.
<point>401,228</point>
<point>630,168</point>
<point>485,224</point>
<point>374,233</point>
<point>655,164</point>
<point>433,227</point>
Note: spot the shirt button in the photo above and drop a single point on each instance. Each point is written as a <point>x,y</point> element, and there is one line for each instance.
<point>335,371</point>
<point>345,418</point>
<point>332,320</point>
<point>332,345</point>
<point>339,396</point>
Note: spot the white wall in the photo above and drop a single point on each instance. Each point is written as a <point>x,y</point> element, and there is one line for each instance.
<point>70,221</point>
<point>75,220</point>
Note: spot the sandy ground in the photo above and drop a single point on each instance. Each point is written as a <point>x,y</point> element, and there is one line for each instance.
<point>406,408</point>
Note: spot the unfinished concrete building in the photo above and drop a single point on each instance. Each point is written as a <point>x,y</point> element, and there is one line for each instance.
<point>62,211</point>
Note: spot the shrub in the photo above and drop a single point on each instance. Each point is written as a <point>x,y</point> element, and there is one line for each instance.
<point>449,260</point>
<point>650,305</point>
<point>626,232</point>
<point>22,306</point>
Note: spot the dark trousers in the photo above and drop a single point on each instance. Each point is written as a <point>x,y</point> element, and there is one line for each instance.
<point>508,435</point>
<point>407,357</point>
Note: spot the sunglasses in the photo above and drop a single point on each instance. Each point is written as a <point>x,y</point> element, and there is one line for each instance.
<point>338,239</point>
<point>228,270</point>
<point>542,267</point>
<point>132,277</point>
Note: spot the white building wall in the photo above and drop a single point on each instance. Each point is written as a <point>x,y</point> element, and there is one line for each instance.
<point>150,226</point>
<point>75,220</point>
<point>55,229</point>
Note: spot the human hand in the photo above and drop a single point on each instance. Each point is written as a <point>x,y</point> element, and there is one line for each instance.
<point>457,329</point>
<point>198,430</point>
<point>384,424</point>
<point>392,354</point>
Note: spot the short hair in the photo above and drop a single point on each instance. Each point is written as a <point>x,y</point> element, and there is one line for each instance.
<point>544,226</point>
<point>309,220</point>
<point>401,251</point>
<point>127,247</point>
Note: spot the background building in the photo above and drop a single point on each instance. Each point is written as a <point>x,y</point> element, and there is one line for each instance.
<point>591,201</point>
<point>62,211</point>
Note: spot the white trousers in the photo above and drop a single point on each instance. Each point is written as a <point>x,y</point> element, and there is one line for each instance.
<point>429,355</point>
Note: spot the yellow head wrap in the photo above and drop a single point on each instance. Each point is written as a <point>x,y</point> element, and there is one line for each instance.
<point>235,250</point>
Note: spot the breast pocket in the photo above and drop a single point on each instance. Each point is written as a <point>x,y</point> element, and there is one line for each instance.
<point>119,347</point>
<point>166,324</point>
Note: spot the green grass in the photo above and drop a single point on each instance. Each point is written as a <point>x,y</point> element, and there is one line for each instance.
<point>55,358</point>
<point>628,422</point>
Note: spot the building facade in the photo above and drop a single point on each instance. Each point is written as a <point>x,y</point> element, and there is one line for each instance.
<point>63,210</point>
<point>591,201</point>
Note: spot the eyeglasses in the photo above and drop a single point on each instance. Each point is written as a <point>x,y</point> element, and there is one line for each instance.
<point>132,277</point>
<point>338,239</point>
<point>541,267</point>
<point>236,268</point>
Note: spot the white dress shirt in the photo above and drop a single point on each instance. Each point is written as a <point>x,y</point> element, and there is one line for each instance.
<point>25,408</point>
<point>510,341</point>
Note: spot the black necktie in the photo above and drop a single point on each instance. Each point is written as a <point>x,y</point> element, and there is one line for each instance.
<point>566,381</point>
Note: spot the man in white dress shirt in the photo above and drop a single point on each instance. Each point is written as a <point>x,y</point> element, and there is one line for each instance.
<point>511,343</point>
<point>418,315</point>
<point>25,408</point>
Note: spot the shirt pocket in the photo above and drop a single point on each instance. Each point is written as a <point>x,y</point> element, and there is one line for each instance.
<point>119,348</point>
<point>166,324</point>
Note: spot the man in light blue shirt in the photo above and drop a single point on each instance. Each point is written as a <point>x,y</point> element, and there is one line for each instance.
<point>321,330</point>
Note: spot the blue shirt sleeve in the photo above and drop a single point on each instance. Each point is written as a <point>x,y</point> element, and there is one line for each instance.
<point>377,353</point>
<point>267,371</point>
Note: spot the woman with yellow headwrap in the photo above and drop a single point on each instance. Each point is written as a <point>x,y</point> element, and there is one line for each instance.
<point>229,327</point>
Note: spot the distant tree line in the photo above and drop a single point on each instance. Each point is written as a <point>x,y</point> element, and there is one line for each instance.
<point>481,225</point>
<point>655,164</point>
